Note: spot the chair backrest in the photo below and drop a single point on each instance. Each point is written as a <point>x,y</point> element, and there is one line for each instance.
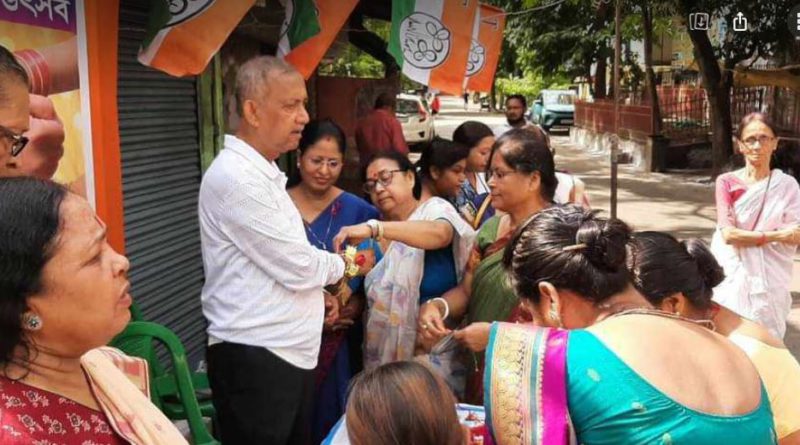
<point>139,339</point>
<point>136,312</point>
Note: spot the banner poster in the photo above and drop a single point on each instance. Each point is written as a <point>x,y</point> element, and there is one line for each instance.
<point>48,37</point>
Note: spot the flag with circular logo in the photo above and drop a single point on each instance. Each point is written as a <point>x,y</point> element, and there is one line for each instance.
<point>487,42</point>
<point>183,35</point>
<point>309,30</point>
<point>430,40</point>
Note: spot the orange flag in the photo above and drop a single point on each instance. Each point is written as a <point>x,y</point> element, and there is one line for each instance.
<point>430,40</point>
<point>487,42</point>
<point>332,14</point>
<point>183,36</point>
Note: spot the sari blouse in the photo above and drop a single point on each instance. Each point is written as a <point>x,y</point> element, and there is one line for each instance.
<point>119,383</point>
<point>32,415</point>
<point>555,387</point>
<point>780,373</point>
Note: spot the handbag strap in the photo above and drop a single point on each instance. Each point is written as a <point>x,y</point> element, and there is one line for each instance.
<point>478,216</point>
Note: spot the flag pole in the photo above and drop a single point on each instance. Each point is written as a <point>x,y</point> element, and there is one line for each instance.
<point>615,138</point>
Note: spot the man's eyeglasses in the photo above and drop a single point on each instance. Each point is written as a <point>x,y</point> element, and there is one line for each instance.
<point>753,142</point>
<point>18,141</point>
<point>384,179</point>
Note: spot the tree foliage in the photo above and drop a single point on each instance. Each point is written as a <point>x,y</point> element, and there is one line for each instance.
<point>352,62</point>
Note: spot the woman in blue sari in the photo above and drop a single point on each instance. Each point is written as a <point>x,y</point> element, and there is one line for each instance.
<point>325,209</point>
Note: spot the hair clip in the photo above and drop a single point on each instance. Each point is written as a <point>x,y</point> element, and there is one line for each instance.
<point>578,246</point>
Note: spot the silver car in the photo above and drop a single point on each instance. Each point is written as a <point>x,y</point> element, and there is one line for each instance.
<point>416,119</point>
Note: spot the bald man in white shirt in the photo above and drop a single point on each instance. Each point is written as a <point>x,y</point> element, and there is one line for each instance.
<point>263,295</point>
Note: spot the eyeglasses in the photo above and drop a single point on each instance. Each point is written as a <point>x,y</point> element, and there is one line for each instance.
<point>760,141</point>
<point>319,162</point>
<point>18,141</point>
<point>384,178</point>
<point>498,174</point>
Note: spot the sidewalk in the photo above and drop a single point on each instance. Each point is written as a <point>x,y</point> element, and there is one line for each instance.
<point>679,203</point>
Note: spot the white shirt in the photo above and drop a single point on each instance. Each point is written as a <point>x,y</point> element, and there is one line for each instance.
<point>263,279</point>
<point>505,127</point>
<point>481,186</point>
<point>565,184</point>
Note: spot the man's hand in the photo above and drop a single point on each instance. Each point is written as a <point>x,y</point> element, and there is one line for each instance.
<point>331,311</point>
<point>46,146</point>
<point>349,313</point>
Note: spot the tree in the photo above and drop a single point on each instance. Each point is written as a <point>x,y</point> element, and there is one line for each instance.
<point>566,38</point>
<point>768,36</point>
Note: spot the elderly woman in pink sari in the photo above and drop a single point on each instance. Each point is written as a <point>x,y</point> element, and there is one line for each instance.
<point>758,212</point>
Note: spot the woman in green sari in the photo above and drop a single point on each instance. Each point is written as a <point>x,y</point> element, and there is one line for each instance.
<point>522,181</point>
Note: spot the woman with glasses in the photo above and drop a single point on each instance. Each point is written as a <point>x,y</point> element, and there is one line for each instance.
<point>758,212</point>
<point>522,182</point>
<point>14,111</point>
<point>421,250</point>
<point>325,209</point>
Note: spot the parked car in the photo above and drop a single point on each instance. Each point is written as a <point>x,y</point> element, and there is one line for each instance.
<point>553,108</point>
<point>416,119</point>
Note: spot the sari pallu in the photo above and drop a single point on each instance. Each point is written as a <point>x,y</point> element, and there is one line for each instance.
<point>121,386</point>
<point>392,289</point>
<point>491,298</point>
<point>757,278</point>
<point>526,385</point>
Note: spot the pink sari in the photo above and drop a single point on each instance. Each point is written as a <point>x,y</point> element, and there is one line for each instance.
<point>525,385</point>
<point>758,278</point>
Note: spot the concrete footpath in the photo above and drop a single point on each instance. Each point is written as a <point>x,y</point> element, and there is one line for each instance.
<point>679,203</point>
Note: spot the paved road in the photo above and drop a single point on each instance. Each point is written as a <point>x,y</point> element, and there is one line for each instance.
<point>678,203</point>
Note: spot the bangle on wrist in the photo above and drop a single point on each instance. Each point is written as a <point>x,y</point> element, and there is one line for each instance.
<point>376,228</point>
<point>380,231</point>
<point>445,304</point>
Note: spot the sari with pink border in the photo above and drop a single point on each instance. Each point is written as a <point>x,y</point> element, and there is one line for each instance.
<point>525,385</point>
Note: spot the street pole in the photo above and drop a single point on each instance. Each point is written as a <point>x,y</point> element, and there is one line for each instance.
<point>615,137</point>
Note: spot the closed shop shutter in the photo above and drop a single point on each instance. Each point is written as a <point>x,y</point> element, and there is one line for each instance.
<point>159,138</point>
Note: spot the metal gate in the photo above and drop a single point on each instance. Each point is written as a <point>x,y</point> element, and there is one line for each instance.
<point>161,172</point>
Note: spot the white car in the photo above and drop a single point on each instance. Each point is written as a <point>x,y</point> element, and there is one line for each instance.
<point>416,119</point>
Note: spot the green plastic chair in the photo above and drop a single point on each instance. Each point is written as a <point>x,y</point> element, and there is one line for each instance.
<point>174,392</point>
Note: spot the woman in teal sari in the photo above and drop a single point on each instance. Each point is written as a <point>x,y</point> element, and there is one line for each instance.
<point>602,366</point>
<point>522,182</point>
<point>325,209</point>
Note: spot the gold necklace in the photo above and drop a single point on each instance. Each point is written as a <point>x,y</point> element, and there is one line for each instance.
<point>709,324</point>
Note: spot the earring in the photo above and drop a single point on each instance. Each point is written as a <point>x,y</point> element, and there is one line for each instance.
<point>555,316</point>
<point>31,322</point>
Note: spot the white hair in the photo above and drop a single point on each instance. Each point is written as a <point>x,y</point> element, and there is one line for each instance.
<point>253,77</point>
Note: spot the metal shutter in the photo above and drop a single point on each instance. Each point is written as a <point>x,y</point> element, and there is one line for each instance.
<point>159,138</point>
